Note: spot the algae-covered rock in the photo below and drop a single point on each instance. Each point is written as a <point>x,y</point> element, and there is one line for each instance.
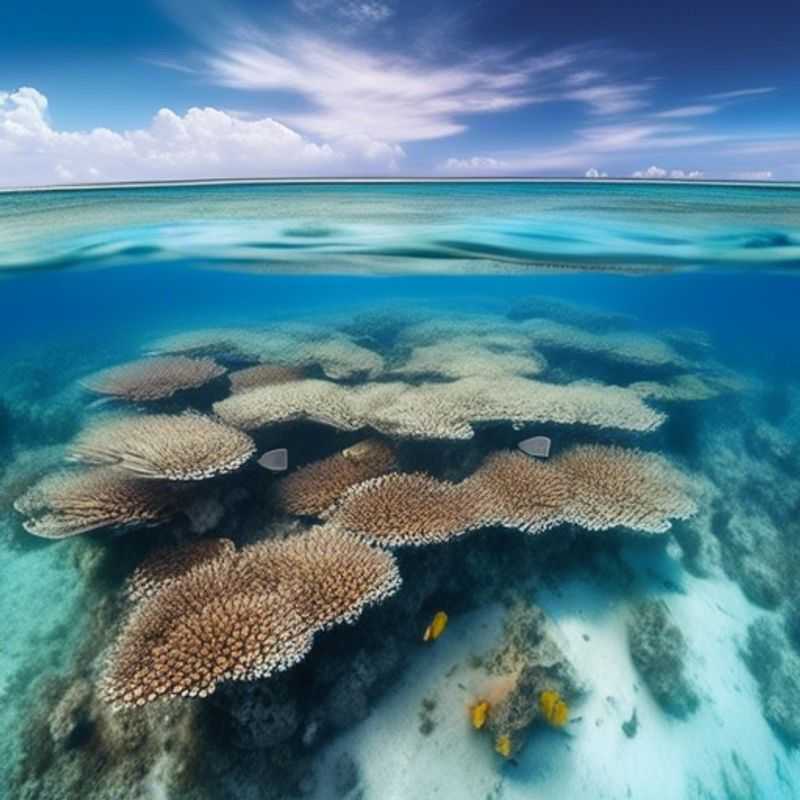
<point>527,663</point>
<point>659,651</point>
<point>776,668</point>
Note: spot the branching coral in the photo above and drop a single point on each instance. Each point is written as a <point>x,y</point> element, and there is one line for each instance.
<point>183,447</point>
<point>212,625</point>
<point>440,410</point>
<point>263,375</point>
<point>289,345</point>
<point>244,615</point>
<point>312,489</point>
<point>67,503</point>
<point>154,378</point>
<point>330,575</point>
<point>592,486</point>
<point>166,564</point>
<point>464,357</point>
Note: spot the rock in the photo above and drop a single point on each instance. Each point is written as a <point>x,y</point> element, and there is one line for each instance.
<point>776,669</point>
<point>70,722</point>
<point>345,774</point>
<point>527,663</point>
<point>205,514</point>
<point>261,714</point>
<point>631,726</point>
<point>659,651</point>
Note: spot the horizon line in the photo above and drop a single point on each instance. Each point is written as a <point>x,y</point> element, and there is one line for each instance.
<point>71,187</point>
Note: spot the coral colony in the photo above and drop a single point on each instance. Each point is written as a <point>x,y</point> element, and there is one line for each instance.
<point>216,607</point>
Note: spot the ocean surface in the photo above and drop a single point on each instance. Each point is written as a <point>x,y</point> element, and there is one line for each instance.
<point>272,524</point>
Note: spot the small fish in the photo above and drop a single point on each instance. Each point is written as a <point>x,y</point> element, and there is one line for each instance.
<point>553,708</point>
<point>436,628</point>
<point>478,714</point>
<point>358,450</point>
<point>275,460</point>
<point>538,446</point>
<point>503,745</point>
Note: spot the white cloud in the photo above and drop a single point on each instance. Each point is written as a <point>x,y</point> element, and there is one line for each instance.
<point>203,142</point>
<point>655,172</point>
<point>475,164</point>
<point>740,93</point>
<point>593,172</point>
<point>687,111</point>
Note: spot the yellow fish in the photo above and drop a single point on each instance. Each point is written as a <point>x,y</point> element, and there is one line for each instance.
<point>478,714</point>
<point>436,628</point>
<point>503,745</point>
<point>553,708</point>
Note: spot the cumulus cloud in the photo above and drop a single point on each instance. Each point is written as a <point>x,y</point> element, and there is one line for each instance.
<point>203,142</point>
<point>593,172</point>
<point>655,172</point>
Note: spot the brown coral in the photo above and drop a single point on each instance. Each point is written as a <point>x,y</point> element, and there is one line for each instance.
<point>593,486</point>
<point>617,487</point>
<point>154,378</point>
<point>330,575</point>
<point>314,488</point>
<point>183,447</point>
<point>244,615</point>
<point>72,502</point>
<point>408,509</point>
<point>212,625</point>
<point>263,375</point>
<point>166,564</point>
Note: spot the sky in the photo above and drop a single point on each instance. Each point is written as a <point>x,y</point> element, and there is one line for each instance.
<point>93,91</point>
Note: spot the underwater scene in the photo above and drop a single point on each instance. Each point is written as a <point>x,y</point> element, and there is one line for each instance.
<point>400,491</point>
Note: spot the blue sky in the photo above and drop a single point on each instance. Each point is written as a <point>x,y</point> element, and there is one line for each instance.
<point>169,89</point>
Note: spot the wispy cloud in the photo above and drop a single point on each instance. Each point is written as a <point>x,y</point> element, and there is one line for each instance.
<point>659,173</point>
<point>687,111</point>
<point>732,95</point>
<point>610,98</point>
<point>385,96</point>
<point>362,13</point>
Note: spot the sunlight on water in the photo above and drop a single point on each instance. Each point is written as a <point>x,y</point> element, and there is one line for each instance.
<point>417,607</point>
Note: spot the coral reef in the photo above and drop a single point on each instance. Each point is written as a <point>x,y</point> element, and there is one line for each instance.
<point>777,671</point>
<point>185,447</point>
<point>659,651</point>
<point>439,410</point>
<point>153,378</point>
<point>314,488</point>
<point>244,615</point>
<point>262,375</point>
<point>67,503</point>
<point>591,486</point>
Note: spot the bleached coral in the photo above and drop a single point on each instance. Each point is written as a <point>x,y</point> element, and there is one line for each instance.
<point>183,447</point>
<point>153,378</point>
<point>284,344</point>
<point>67,503</point>
<point>243,380</point>
<point>440,410</point>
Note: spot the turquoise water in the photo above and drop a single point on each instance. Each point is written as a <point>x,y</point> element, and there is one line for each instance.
<point>655,595</point>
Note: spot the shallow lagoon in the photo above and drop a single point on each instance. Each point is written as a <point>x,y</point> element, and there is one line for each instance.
<point>677,652</point>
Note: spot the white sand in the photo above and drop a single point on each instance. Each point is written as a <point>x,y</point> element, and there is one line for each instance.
<point>668,758</point>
